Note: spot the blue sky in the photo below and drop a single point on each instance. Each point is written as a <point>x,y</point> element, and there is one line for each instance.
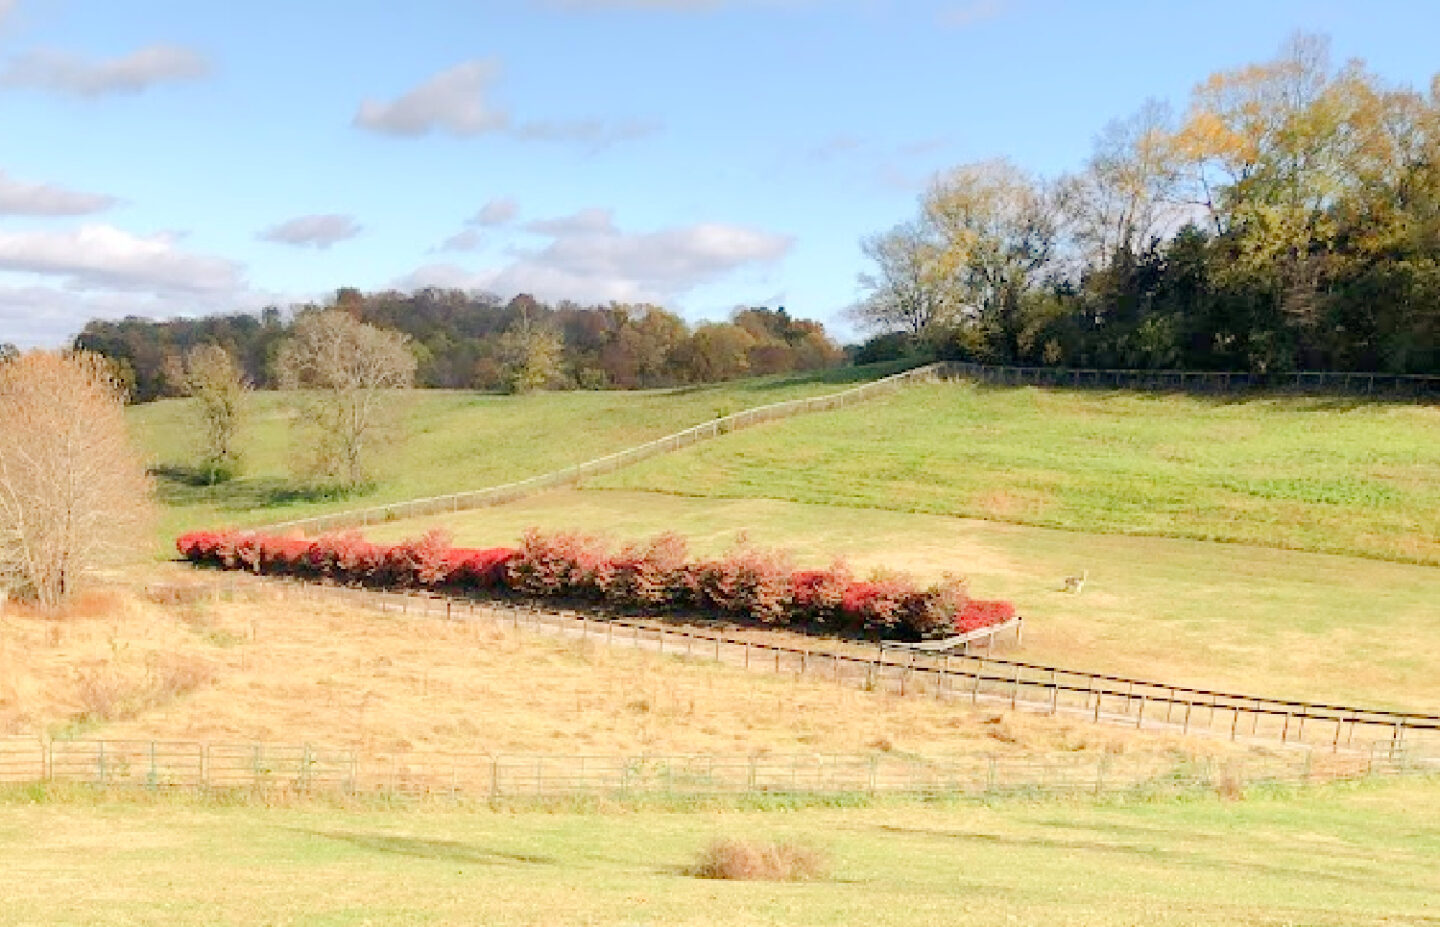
<point>174,157</point>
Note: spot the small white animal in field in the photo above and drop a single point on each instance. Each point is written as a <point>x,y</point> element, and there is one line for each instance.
<point>1075,584</point>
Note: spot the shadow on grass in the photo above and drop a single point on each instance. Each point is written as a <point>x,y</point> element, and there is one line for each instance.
<point>1188,855</point>
<point>1294,400</point>
<point>183,486</point>
<point>450,851</point>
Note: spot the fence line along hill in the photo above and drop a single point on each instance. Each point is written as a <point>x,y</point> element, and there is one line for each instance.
<point>568,476</point>
<point>962,678</point>
<point>1199,382</point>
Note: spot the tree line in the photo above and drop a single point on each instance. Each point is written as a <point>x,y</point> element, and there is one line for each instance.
<point>1289,220</point>
<point>467,340</point>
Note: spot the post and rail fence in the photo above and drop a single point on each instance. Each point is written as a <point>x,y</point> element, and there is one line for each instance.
<point>1407,385</point>
<point>957,677</point>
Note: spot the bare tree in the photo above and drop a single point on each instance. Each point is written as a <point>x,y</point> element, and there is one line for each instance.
<point>348,370</point>
<point>74,494</point>
<point>1127,194</point>
<point>906,291</point>
<point>219,388</point>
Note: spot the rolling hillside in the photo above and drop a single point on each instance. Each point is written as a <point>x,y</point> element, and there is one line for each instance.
<point>1319,474</point>
<point>456,441</point>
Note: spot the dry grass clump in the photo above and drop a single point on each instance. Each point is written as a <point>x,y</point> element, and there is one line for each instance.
<point>760,861</point>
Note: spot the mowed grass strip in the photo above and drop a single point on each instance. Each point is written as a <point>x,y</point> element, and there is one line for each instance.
<point>1282,623</point>
<point>1340,855</point>
<point>447,441</point>
<point>1321,474</point>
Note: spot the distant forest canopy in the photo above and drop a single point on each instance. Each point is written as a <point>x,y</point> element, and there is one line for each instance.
<point>467,340</point>
<point>1289,221</point>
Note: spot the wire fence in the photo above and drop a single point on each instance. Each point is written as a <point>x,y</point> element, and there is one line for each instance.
<point>266,768</point>
<point>569,476</point>
<point>957,677</point>
<point>1201,381</point>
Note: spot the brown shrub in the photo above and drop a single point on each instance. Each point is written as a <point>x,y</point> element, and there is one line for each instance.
<point>744,860</point>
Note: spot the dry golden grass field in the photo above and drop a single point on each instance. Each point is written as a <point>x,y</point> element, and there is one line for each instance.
<point>268,666</point>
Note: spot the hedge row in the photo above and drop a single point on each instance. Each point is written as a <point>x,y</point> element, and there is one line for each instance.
<point>656,574</point>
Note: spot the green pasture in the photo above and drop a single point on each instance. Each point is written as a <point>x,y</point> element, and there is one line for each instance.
<point>1339,475</point>
<point>1283,623</point>
<point>446,442</point>
<point>1337,855</point>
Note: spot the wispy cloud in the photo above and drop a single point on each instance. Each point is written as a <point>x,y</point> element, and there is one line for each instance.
<point>452,101</point>
<point>38,199</point>
<point>457,102</point>
<point>467,239</point>
<point>314,231</point>
<point>64,72</point>
<point>498,211</point>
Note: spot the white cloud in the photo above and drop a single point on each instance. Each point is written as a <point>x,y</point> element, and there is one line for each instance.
<point>104,257</point>
<point>456,102</point>
<point>972,13</point>
<point>496,212</point>
<point>6,8</point>
<point>35,199</point>
<point>315,231</point>
<point>589,259</point>
<point>64,72</point>
<point>452,101</point>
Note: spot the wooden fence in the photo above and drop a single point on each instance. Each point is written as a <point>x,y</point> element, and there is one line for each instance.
<point>310,769</point>
<point>1201,381</point>
<point>958,677</point>
<point>569,476</point>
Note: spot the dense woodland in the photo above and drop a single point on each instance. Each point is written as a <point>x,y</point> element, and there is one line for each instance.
<point>1290,220</point>
<point>478,341</point>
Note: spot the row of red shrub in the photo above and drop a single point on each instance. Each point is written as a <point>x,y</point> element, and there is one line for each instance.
<point>656,574</point>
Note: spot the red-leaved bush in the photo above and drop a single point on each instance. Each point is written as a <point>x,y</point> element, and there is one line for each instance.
<point>747,581</point>
<point>652,574</point>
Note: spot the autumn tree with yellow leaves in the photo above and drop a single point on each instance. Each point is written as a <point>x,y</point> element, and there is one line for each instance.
<point>1289,219</point>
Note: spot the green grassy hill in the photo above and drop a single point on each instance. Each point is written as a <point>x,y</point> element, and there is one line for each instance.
<point>1319,474</point>
<point>456,441</point>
